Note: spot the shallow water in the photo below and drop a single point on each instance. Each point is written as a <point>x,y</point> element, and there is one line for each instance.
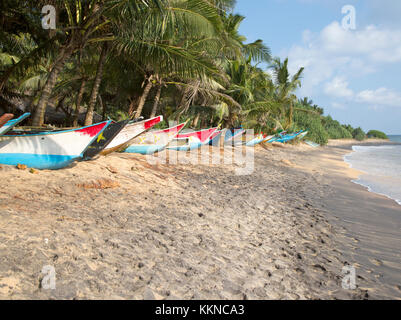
<point>381,166</point>
<point>395,138</point>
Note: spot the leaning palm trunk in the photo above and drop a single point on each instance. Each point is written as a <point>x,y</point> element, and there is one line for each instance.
<point>103,107</point>
<point>96,85</point>
<point>131,107</point>
<point>78,103</point>
<point>196,120</point>
<point>156,103</point>
<point>64,55</point>
<point>291,116</point>
<point>142,100</point>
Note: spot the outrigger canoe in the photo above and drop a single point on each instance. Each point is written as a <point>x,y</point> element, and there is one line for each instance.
<point>233,135</point>
<point>48,150</point>
<point>302,135</point>
<point>192,140</point>
<point>288,137</point>
<point>268,138</point>
<point>5,118</point>
<point>154,141</point>
<point>127,135</point>
<point>104,139</point>
<point>256,140</point>
<point>312,144</point>
<point>215,138</point>
<point>12,123</point>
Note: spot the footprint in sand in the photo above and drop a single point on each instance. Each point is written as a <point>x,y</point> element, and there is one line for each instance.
<point>376,262</point>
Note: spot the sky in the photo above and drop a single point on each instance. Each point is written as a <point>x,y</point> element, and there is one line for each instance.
<point>353,72</point>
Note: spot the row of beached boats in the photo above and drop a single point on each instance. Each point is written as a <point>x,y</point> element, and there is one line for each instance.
<point>56,148</point>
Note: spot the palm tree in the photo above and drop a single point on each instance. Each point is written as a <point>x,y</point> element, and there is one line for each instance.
<point>176,43</point>
<point>78,25</point>
<point>285,88</point>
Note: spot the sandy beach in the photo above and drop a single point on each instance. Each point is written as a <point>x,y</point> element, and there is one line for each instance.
<point>121,228</point>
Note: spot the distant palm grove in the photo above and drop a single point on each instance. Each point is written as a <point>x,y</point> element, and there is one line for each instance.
<point>118,59</point>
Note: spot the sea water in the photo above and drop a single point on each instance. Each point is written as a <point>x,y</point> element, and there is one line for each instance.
<point>381,167</point>
<point>395,138</point>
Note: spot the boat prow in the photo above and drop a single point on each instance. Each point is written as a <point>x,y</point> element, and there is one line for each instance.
<point>127,135</point>
<point>154,141</point>
<point>12,123</point>
<point>48,150</point>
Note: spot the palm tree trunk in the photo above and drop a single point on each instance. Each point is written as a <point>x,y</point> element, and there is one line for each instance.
<point>142,99</point>
<point>131,107</point>
<point>38,118</point>
<point>196,120</point>
<point>156,103</point>
<point>96,85</point>
<point>103,106</point>
<point>78,103</point>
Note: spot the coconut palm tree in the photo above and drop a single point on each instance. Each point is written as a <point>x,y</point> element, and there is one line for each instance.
<point>285,89</point>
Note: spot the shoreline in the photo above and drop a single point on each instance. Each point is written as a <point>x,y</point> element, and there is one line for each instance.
<point>121,228</point>
<point>370,144</point>
<point>365,215</point>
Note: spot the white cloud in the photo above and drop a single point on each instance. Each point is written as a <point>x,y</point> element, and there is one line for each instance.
<point>371,43</point>
<point>381,96</point>
<point>335,59</point>
<point>338,87</point>
<point>337,105</point>
<point>343,54</point>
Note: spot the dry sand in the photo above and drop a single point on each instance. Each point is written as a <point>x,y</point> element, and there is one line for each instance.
<point>120,228</point>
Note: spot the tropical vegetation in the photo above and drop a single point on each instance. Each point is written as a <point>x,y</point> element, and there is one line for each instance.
<point>377,134</point>
<point>118,59</point>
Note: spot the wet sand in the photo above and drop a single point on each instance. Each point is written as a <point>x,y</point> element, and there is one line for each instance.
<point>371,221</point>
<point>121,228</point>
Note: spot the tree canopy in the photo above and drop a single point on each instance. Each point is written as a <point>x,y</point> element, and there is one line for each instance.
<point>117,59</point>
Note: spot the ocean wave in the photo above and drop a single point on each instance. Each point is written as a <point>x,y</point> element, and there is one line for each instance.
<point>380,167</point>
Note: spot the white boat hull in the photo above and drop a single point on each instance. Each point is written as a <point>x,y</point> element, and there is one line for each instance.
<point>48,150</point>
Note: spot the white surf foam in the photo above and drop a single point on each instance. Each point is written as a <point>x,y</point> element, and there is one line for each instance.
<point>381,167</point>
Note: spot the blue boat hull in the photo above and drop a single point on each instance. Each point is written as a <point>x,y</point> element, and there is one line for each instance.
<point>286,139</point>
<point>192,146</point>
<point>254,142</point>
<point>39,161</point>
<point>144,149</point>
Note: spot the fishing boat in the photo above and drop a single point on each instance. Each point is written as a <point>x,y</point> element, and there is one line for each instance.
<point>312,144</point>
<point>154,141</point>
<point>233,135</point>
<point>269,138</point>
<point>48,150</point>
<point>215,138</point>
<point>104,139</point>
<point>126,136</point>
<point>192,140</point>
<point>289,137</point>
<point>256,140</point>
<point>302,135</point>
<point>5,118</point>
<point>12,123</point>
<point>276,137</point>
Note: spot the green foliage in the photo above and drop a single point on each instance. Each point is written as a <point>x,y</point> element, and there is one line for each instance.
<point>349,128</point>
<point>335,130</point>
<point>377,134</point>
<point>313,124</point>
<point>191,49</point>
<point>359,134</point>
